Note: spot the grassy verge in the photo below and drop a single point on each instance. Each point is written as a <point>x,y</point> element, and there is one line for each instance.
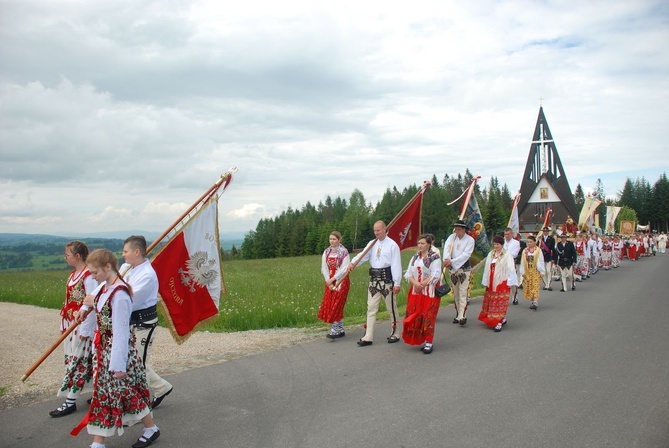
<point>275,293</point>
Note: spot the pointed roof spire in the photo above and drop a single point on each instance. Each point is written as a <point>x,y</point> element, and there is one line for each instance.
<point>544,183</point>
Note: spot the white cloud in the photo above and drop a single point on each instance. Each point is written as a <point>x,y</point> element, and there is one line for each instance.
<point>118,115</point>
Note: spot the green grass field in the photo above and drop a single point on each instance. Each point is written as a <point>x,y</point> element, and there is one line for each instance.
<point>272,293</point>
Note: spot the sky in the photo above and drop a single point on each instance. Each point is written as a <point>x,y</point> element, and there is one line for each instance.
<point>117,115</point>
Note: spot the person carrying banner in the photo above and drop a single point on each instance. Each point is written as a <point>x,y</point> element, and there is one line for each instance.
<point>532,268</point>
<point>499,276</point>
<point>334,261</point>
<point>140,275</point>
<point>547,246</point>
<point>385,275</point>
<point>120,393</point>
<point>457,250</point>
<point>78,345</point>
<point>565,258</point>
<point>512,246</point>
<point>423,274</point>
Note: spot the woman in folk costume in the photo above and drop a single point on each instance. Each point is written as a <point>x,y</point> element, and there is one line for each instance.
<point>631,248</point>
<point>78,345</point>
<point>616,246</point>
<point>532,268</point>
<point>423,273</point>
<point>333,267</point>
<point>607,253</point>
<point>580,246</point>
<point>499,275</point>
<point>120,392</point>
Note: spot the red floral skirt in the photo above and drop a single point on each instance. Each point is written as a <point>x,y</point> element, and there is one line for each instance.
<point>421,316</point>
<point>495,305</point>
<point>332,305</point>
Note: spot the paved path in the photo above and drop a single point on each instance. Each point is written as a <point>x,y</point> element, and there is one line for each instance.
<point>590,368</point>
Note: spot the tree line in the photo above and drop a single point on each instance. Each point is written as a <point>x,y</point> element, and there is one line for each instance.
<point>305,231</point>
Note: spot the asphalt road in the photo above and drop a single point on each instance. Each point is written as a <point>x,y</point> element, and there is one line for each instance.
<point>588,369</point>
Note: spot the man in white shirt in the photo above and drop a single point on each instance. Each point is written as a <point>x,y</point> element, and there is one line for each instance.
<point>457,251</point>
<point>512,246</point>
<point>141,277</point>
<point>385,276</point>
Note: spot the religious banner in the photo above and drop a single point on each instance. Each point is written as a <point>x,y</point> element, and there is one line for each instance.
<point>406,226</point>
<point>514,221</point>
<point>611,215</point>
<point>627,227</point>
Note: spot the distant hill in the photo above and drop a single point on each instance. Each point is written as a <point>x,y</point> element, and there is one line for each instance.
<point>18,239</point>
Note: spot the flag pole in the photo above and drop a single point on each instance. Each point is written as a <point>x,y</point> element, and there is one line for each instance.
<point>60,339</point>
<point>225,177</point>
<point>425,186</point>
<point>470,191</point>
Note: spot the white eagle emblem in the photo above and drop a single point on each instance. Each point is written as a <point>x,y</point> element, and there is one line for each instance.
<point>199,271</point>
<point>405,233</point>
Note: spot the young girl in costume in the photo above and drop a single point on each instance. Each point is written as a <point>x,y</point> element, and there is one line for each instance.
<point>120,392</point>
<point>78,353</point>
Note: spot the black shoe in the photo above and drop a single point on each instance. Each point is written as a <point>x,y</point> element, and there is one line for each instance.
<point>456,321</point>
<point>392,339</point>
<point>427,350</point>
<point>89,400</point>
<point>63,410</point>
<point>515,301</point>
<point>463,321</point>
<point>498,328</point>
<point>504,322</point>
<point>158,400</point>
<point>336,335</point>
<point>573,288</point>
<point>362,343</point>
<point>563,290</point>
<point>144,442</point>
<point>550,288</point>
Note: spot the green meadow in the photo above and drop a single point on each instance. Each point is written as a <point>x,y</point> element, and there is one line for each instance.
<point>261,294</point>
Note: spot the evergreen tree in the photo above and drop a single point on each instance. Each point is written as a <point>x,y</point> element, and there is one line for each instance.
<point>579,198</point>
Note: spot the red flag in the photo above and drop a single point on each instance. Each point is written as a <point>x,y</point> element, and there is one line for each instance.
<point>405,227</point>
<point>189,272</point>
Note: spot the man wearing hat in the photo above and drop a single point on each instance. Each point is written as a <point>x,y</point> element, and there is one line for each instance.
<point>565,257</point>
<point>547,246</point>
<point>457,251</point>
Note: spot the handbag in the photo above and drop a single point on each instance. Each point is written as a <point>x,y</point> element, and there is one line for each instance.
<point>442,290</point>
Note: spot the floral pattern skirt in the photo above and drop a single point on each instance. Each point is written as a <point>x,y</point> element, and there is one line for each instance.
<point>495,304</point>
<point>421,316</point>
<point>78,365</point>
<point>117,402</point>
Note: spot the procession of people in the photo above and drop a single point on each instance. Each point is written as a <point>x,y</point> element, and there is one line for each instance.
<point>116,307</point>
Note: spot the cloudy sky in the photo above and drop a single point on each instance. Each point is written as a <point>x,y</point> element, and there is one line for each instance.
<point>116,115</point>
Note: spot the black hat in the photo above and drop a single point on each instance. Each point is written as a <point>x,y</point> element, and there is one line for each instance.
<point>546,228</point>
<point>460,223</point>
<point>564,235</point>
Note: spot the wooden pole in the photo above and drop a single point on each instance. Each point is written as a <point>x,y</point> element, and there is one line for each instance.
<point>408,204</point>
<point>207,194</point>
<point>470,191</point>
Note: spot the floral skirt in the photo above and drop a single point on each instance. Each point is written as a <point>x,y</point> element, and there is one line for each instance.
<point>78,364</point>
<point>332,305</point>
<point>532,284</point>
<point>495,304</point>
<point>117,402</point>
<point>421,316</point>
